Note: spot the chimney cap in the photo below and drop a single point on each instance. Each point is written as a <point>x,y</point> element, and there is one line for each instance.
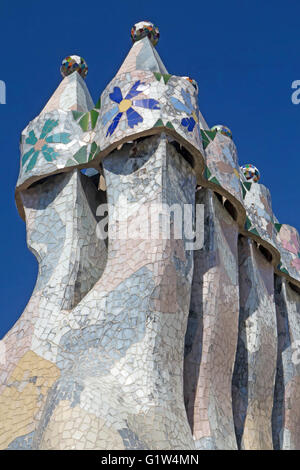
<point>223,130</point>
<point>251,173</point>
<point>145,29</point>
<point>74,63</point>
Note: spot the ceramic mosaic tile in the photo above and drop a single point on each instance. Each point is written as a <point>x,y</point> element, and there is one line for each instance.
<point>288,243</point>
<point>222,169</point>
<point>133,341</point>
<point>253,382</point>
<point>286,412</point>
<point>260,217</point>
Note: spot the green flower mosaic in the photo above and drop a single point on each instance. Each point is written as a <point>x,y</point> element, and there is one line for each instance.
<point>88,120</point>
<point>83,155</point>
<point>159,123</point>
<point>39,145</point>
<point>166,76</point>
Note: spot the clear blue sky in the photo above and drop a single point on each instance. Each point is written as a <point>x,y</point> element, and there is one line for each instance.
<point>244,55</point>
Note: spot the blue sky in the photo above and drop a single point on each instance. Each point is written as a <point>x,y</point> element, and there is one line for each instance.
<point>244,55</point>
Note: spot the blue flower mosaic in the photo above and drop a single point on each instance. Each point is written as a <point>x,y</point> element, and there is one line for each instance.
<point>186,107</point>
<point>125,105</point>
<point>40,145</point>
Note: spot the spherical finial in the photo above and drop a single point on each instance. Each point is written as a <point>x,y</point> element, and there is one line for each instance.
<point>251,173</point>
<point>74,63</point>
<point>223,130</point>
<point>145,29</point>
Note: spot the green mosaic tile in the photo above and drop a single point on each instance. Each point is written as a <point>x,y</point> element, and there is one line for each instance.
<point>205,140</point>
<point>278,227</point>
<point>77,115</point>
<point>169,125</point>
<point>94,117</point>
<point>284,270</point>
<point>71,162</point>
<point>207,173</point>
<point>215,180</point>
<point>88,120</point>
<point>254,231</point>
<point>247,185</point>
<point>243,190</point>
<point>207,137</point>
<point>84,122</point>
<point>98,104</point>
<point>81,155</point>
<point>159,123</point>
<point>247,224</point>
<point>94,150</point>
<point>166,77</point>
<point>157,75</point>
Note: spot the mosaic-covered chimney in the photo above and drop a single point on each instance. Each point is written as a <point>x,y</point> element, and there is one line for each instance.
<point>135,337</point>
